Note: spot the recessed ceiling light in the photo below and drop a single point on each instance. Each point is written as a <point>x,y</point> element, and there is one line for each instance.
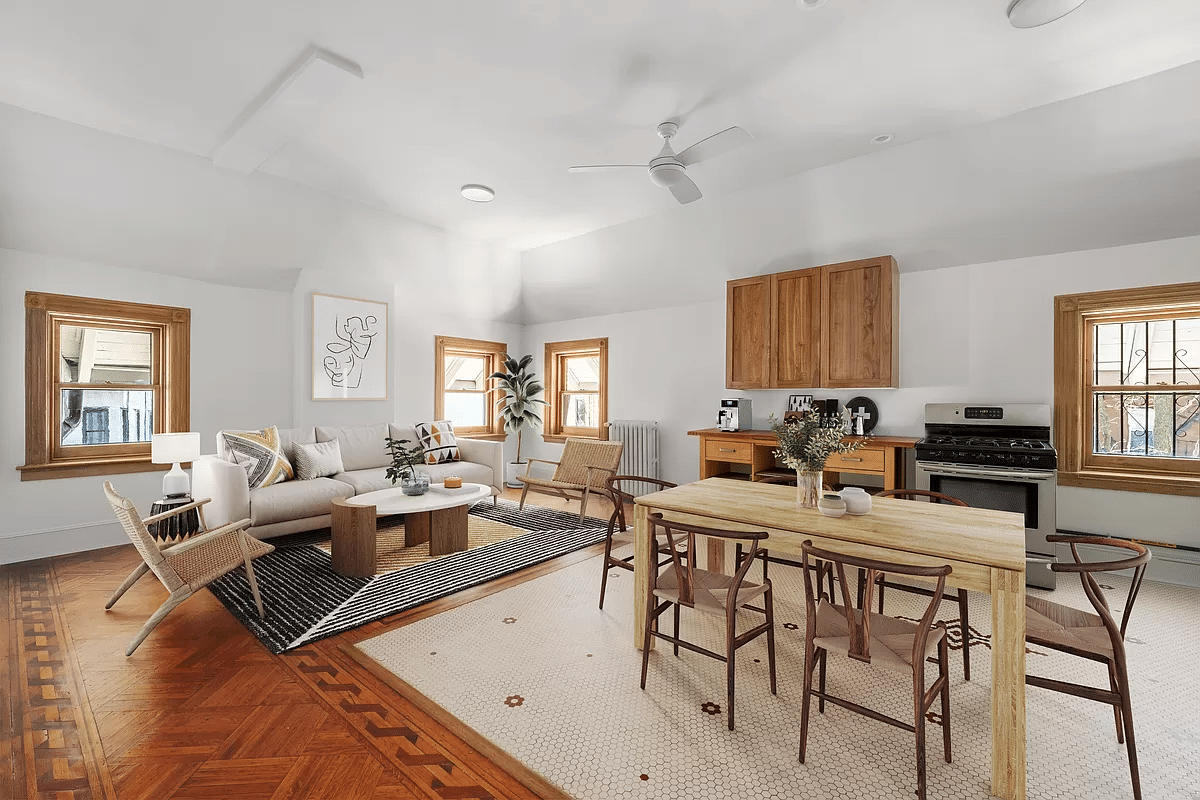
<point>478,193</point>
<point>810,3</point>
<point>883,138</point>
<point>1032,13</point>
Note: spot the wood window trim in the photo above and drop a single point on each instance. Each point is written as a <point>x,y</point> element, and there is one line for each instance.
<point>1074,316</point>
<point>494,352</point>
<point>44,457</point>
<point>553,430</point>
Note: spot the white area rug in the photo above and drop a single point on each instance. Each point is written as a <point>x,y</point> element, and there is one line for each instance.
<point>553,681</point>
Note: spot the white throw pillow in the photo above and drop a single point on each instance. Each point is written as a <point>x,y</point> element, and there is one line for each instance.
<point>318,460</point>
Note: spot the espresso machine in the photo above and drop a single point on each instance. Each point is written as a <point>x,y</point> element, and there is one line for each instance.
<point>735,415</point>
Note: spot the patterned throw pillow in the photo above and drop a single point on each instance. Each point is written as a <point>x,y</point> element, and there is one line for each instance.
<point>438,440</point>
<point>318,460</point>
<point>259,453</point>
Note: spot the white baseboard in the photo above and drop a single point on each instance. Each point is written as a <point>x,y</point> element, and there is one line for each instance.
<point>31,545</point>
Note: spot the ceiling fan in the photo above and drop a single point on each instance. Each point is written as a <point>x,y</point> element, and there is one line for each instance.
<point>669,169</point>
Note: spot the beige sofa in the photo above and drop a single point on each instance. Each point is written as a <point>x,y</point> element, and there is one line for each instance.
<point>296,505</point>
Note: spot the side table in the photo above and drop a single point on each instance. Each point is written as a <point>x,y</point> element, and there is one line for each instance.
<point>177,528</point>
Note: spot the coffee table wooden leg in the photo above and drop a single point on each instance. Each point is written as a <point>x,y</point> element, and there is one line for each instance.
<point>417,527</point>
<point>448,533</point>
<point>353,539</point>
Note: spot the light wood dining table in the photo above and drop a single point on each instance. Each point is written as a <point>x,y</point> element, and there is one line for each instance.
<point>985,548</point>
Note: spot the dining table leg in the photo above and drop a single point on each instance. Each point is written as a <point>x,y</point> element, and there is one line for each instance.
<point>643,559</point>
<point>1008,684</point>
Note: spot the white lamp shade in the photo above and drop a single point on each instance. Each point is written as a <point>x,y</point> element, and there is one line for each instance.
<point>174,448</point>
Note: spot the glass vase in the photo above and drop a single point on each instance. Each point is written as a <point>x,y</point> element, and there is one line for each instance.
<point>808,488</point>
<point>414,483</point>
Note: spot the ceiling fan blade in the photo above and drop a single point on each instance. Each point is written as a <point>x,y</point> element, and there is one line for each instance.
<point>602,167</point>
<point>715,145</point>
<point>685,190</point>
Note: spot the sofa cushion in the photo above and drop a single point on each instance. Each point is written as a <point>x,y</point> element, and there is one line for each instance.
<point>372,480</point>
<point>295,500</point>
<point>438,440</point>
<point>317,460</point>
<point>290,437</point>
<point>259,453</point>
<point>362,447</point>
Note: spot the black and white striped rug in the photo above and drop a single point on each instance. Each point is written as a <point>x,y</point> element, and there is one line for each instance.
<point>306,600</point>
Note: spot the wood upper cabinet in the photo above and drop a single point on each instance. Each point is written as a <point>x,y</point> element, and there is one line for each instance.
<point>828,327</point>
<point>860,303</point>
<point>748,313</point>
<point>795,329</point>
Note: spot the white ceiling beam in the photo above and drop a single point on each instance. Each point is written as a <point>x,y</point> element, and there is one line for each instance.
<point>289,105</point>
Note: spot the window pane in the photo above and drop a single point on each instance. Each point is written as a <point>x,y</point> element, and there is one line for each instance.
<point>464,372</point>
<point>465,409</point>
<point>96,416</point>
<point>1175,351</point>
<point>1160,425</point>
<point>102,355</point>
<point>581,411</point>
<point>582,373</point>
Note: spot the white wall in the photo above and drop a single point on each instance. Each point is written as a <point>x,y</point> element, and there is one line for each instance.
<point>88,213</point>
<point>241,376</point>
<point>979,333</point>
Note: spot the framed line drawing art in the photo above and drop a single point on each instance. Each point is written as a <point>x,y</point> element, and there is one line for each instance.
<point>349,348</point>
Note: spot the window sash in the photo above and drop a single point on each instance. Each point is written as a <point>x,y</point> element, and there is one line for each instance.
<point>557,356</point>
<point>446,348</point>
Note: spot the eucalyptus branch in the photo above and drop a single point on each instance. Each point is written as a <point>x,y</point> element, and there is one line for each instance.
<point>806,445</point>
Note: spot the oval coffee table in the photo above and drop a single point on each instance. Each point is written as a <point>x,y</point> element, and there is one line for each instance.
<point>439,517</point>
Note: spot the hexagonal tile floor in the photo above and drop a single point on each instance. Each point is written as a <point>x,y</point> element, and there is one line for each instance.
<point>552,680</point>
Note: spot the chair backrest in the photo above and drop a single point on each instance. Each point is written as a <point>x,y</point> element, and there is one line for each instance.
<point>1091,587</point>
<point>914,494</point>
<point>858,618</point>
<point>619,486</point>
<point>135,529</point>
<point>579,454</point>
<point>683,558</point>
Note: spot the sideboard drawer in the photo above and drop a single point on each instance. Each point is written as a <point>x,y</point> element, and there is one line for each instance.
<point>735,452</point>
<point>864,460</point>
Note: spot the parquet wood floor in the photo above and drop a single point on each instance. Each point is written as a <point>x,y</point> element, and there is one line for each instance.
<point>202,710</point>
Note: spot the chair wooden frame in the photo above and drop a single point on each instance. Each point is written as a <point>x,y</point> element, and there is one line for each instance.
<point>583,468</point>
<point>955,594</point>
<point>689,579</point>
<point>858,624</point>
<point>617,520</point>
<point>187,566</point>
<point>1117,695</point>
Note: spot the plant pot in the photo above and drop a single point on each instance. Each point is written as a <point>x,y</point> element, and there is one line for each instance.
<point>511,470</point>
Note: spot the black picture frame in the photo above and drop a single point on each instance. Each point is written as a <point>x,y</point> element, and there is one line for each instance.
<point>800,402</point>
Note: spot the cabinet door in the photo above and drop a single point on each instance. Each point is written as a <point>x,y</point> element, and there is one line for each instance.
<point>860,307</point>
<point>747,314</point>
<point>795,329</point>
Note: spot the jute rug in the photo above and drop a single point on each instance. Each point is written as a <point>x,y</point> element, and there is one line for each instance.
<point>306,600</point>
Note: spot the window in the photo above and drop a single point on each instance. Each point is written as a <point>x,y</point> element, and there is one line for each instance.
<point>577,389</point>
<point>1127,389</point>
<point>461,384</point>
<point>101,376</point>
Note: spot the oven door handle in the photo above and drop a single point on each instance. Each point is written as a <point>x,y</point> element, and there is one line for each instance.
<point>937,469</point>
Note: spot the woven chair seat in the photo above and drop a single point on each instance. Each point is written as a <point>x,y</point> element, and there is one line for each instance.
<point>891,639</point>
<point>1061,626</point>
<point>711,591</point>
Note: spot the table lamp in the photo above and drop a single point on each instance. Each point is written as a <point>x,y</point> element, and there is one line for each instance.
<point>175,448</point>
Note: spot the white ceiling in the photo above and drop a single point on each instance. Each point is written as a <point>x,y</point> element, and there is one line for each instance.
<point>511,93</point>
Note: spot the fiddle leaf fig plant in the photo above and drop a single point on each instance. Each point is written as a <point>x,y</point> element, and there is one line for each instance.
<point>519,405</point>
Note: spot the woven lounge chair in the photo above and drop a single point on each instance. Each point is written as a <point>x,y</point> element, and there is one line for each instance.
<point>585,467</point>
<point>185,567</point>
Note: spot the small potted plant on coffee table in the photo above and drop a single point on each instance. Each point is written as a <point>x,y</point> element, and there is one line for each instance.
<point>405,461</point>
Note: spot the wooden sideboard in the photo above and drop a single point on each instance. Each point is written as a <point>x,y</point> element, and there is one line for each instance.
<point>749,455</point>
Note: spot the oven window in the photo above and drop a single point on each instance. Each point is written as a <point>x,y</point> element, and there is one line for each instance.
<point>1019,498</point>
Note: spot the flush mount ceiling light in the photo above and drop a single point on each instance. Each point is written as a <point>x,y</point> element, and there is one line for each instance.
<point>883,138</point>
<point>478,193</point>
<point>810,3</point>
<point>1032,13</point>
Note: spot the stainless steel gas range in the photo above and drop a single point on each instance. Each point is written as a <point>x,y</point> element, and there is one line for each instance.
<point>998,457</point>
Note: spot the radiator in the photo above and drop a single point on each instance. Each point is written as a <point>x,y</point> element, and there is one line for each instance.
<point>640,456</point>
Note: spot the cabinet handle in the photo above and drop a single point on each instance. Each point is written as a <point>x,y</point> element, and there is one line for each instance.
<point>726,450</point>
<point>848,458</point>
